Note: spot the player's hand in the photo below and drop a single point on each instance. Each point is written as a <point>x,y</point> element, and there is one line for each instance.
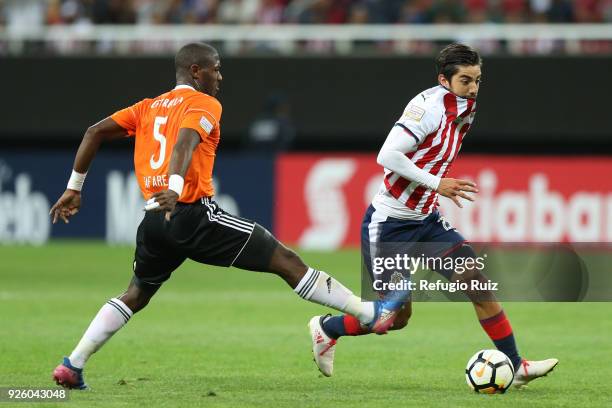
<point>67,206</point>
<point>165,200</point>
<point>455,188</point>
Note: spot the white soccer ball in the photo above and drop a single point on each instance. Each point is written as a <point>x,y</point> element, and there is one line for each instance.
<point>489,372</point>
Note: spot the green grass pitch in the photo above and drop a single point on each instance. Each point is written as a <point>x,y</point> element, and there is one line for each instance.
<point>229,338</point>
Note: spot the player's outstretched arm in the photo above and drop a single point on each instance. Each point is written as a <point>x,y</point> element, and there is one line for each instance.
<point>70,202</point>
<point>180,160</point>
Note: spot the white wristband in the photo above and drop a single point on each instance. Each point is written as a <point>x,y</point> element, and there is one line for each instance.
<point>76,181</point>
<point>176,183</point>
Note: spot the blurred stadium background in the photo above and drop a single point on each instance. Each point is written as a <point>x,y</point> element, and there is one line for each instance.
<point>311,88</point>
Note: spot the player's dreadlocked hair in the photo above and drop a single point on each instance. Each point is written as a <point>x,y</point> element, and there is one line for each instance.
<point>455,55</point>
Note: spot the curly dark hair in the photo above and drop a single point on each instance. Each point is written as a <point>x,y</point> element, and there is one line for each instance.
<point>454,55</point>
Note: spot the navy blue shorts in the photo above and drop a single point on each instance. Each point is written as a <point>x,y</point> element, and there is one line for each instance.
<point>432,236</point>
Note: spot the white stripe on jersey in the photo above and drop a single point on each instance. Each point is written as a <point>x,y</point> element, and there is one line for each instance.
<point>430,165</point>
<point>409,190</point>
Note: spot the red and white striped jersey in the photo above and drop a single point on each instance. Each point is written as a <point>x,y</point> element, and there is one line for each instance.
<point>438,120</point>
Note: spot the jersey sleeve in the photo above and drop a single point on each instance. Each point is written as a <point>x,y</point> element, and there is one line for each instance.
<point>420,119</point>
<point>128,118</point>
<point>203,116</point>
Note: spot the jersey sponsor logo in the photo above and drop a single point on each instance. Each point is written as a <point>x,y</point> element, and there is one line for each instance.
<point>206,125</point>
<point>414,112</point>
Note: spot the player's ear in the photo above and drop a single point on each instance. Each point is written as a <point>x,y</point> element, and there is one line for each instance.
<point>443,81</point>
<point>193,70</point>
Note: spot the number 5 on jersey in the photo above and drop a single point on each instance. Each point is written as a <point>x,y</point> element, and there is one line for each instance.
<point>159,121</point>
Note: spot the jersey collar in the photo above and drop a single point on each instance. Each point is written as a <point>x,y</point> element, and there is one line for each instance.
<point>184,87</point>
<point>460,97</point>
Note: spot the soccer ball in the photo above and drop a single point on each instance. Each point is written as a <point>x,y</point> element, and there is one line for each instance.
<point>489,372</point>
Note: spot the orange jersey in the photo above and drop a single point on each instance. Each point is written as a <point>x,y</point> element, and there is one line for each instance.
<point>156,122</point>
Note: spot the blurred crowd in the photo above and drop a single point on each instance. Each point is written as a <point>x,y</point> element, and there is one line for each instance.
<point>41,12</point>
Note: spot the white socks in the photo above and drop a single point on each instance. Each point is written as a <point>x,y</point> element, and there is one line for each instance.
<point>111,317</point>
<point>319,287</point>
<point>315,286</point>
